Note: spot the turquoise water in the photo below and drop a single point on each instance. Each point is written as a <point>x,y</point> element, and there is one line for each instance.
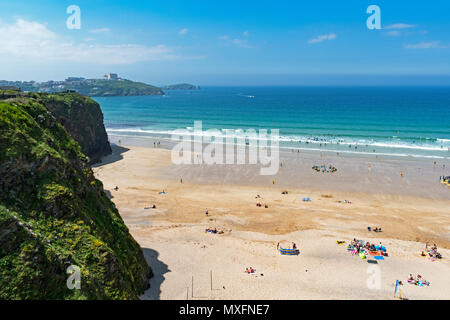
<point>395,121</point>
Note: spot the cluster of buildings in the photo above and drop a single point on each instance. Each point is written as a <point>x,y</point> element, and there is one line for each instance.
<point>52,86</point>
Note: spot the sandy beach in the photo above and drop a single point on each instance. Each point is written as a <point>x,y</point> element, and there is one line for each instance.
<point>191,264</point>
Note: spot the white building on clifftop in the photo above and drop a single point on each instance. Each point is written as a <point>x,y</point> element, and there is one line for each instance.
<point>111,76</point>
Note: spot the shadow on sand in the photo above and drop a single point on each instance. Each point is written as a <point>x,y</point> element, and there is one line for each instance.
<point>116,155</point>
<point>159,268</point>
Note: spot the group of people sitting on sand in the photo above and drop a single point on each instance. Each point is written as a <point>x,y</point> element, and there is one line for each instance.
<point>362,246</point>
<point>418,281</point>
<point>357,245</point>
<point>250,270</point>
<point>260,205</point>
<point>214,231</point>
<point>432,252</point>
<point>445,179</point>
<point>323,168</point>
<point>294,246</point>
<point>376,229</point>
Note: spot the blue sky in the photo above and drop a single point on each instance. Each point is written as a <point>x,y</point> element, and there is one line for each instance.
<point>228,42</point>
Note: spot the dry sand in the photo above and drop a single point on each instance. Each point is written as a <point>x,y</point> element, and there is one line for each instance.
<point>411,211</point>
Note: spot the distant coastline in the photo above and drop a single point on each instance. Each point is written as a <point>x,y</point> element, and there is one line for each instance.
<point>111,86</point>
<point>89,87</point>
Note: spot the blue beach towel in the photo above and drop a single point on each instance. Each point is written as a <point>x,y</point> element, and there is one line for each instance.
<point>378,257</point>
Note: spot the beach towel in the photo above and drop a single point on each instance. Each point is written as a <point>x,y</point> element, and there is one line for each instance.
<point>378,257</point>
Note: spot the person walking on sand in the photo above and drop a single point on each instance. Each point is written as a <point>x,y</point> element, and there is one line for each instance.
<point>278,246</point>
<point>206,212</point>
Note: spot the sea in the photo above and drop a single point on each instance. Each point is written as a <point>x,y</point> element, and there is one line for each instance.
<point>391,121</point>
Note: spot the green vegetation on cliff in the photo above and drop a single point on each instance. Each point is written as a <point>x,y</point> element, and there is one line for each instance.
<point>54,213</point>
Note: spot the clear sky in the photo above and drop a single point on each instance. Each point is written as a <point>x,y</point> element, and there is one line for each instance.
<point>211,42</point>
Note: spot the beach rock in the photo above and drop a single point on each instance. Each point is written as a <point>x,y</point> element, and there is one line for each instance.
<point>83,120</point>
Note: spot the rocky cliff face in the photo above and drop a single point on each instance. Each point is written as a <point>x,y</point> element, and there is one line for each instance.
<point>53,212</point>
<point>83,120</point>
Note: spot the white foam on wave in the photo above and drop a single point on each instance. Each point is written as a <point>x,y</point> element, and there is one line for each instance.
<point>442,146</point>
<point>286,149</point>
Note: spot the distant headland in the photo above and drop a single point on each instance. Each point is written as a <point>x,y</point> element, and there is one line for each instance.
<point>181,86</point>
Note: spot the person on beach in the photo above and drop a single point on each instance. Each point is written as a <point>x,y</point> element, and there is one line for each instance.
<point>206,212</point>
<point>278,246</point>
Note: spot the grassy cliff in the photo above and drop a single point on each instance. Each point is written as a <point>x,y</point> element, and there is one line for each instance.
<point>54,214</point>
